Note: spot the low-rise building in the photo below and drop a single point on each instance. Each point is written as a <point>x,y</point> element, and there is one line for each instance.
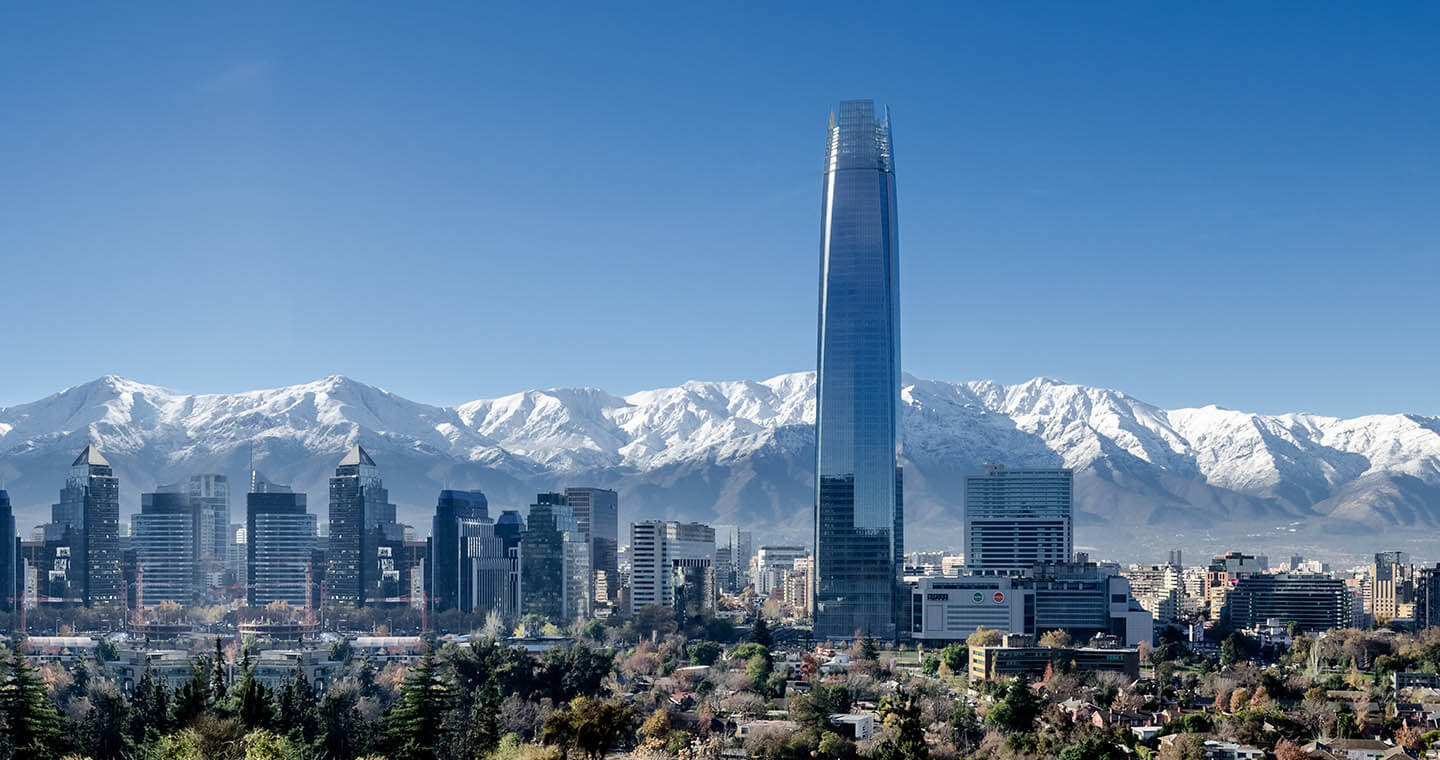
<point>171,667</point>
<point>1001,662</point>
<point>856,725</point>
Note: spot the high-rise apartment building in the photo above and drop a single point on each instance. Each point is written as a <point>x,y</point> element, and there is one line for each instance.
<point>165,533</point>
<point>363,535</point>
<point>87,522</point>
<point>597,513</point>
<point>672,565</point>
<point>1015,519</point>
<point>446,543</point>
<point>859,516</point>
<point>279,538</point>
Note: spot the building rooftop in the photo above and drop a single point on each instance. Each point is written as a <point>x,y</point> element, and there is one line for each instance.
<point>90,455</point>
<point>357,455</point>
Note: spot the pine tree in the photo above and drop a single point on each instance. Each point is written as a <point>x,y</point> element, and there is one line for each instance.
<point>219,681</point>
<point>413,724</point>
<point>192,699</point>
<point>150,713</point>
<point>32,722</point>
<point>107,725</point>
<point>483,730</point>
<point>251,702</point>
<point>761,633</point>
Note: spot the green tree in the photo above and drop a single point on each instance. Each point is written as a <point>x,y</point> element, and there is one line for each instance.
<point>589,725</point>
<point>251,702</point>
<point>150,713</point>
<point>295,713</point>
<point>1016,711</point>
<point>956,657</point>
<point>340,650</point>
<point>106,730</point>
<point>705,652</point>
<point>219,678</point>
<point>193,697</point>
<point>343,734</point>
<point>1230,650</point>
<point>760,633</point>
<point>869,649</point>
<point>413,725</point>
<point>930,665</point>
<point>33,725</point>
<point>1346,726</point>
<point>573,671</point>
<point>483,732</point>
<point>1093,748</point>
<point>901,712</point>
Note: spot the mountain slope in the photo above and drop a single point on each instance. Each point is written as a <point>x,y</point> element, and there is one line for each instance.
<point>742,452</point>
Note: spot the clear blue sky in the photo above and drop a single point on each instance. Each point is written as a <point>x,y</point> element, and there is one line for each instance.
<point>1235,203</point>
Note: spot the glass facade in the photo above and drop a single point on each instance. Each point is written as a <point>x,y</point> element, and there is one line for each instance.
<point>87,522</point>
<point>279,538</point>
<point>446,553</point>
<point>165,535</point>
<point>363,533</point>
<point>597,512</point>
<point>859,539</point>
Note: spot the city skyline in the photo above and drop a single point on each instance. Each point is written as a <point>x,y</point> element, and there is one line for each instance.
<point>1134,200</point>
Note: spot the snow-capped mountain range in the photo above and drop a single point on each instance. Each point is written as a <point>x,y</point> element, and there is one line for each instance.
<point>742,452</point>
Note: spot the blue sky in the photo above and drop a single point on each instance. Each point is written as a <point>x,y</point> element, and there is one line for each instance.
<point>1230,203</point>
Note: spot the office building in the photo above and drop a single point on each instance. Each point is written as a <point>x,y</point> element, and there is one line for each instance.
<point>773,564</point>
<point>945,610</point>
<point>732,559</point>
<point>672,565</point>
<point>1086,600</point>
<point>363,534</point>
<point>1427,597</point>
<point>555,561</point>
<point>597,513</point>
<point>11,575</point>
<point>165,535</point>
<point>279,541</point>
<point>1015,519</point>
<point>1008,661</point>
<point>1222,574</point>
<point>510,528</point>
<point>859,514</point>
<point>446,550</point>
<point>87,523</point>
<point>211,493</point>
<point>1314,602</point>
<point>1392,587</point>
<point>1175,558</point>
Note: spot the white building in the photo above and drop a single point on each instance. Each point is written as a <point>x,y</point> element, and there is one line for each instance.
<point>1017,518</point>
<point>667,554</point>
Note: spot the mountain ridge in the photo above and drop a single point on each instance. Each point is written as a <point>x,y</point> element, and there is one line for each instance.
<point>742,451</point>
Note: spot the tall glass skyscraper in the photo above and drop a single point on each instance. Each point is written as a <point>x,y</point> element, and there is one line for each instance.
<point>859,522</point>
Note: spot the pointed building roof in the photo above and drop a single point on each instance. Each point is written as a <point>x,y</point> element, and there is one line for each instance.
<point>357,455</point>
<point>90,455</point>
